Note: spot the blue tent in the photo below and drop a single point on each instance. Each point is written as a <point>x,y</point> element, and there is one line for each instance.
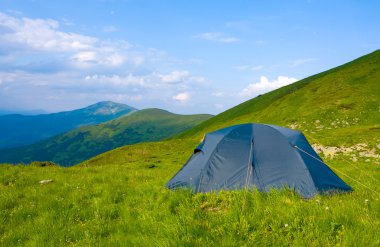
<point>257,155</point>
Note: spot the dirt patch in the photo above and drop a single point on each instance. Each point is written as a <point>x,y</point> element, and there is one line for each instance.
<point>360,150</point>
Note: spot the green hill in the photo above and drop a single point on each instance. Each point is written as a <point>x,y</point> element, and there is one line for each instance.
<point>19,130</point>
<point>82,143</point>
<point>119,198</point>
<point>339,101</point>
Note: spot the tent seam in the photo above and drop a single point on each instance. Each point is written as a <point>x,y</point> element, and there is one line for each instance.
<point>208,162</point>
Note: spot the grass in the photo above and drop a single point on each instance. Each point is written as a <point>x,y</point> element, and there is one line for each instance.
<point>118,199</point>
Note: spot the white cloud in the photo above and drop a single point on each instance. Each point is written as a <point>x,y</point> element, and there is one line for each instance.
<point>249,67</point>
<point>218,94</point>
<point>86,59</point>
<point>6,77</point>
<point>174,76</point>
<point>301,61</point>
<point>42,34</point>
<point>150,80</point>
<point>129,80</point>
<point>218,37</point>
<point>114,60</point>
<point>45,37</point>
<point>182,77</point>
<point>121,97</point>
<point>85,56</point>
<point>198,79</point>
<point>242,67</point>
<point>182,97</point>
<point>264,85</point>
<point>66,22</point>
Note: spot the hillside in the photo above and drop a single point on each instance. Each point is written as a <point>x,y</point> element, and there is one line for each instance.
<point>18,130</point>
<point>339,102</point>
<point>94,203</point>
<point>80,144</point>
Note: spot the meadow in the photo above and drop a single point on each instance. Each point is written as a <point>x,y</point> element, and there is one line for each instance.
<point>119,199</point>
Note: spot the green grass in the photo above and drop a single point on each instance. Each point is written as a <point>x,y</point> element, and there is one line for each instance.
<point>118,198</point>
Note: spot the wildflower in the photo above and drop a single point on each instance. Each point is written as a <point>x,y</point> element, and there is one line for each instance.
<point>366,201</point>
<point>327,208</point>
<point>286,225</point>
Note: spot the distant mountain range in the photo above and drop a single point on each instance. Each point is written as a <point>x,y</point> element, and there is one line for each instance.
<point>82,143</point>
<point>19,130</point>
<point>21,112</point>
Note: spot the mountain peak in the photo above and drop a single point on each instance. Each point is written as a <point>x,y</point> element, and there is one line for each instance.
<point>19,130</point>
<point>108,108</point>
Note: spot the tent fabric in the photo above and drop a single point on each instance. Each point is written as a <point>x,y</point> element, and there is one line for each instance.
<point>257,155</point>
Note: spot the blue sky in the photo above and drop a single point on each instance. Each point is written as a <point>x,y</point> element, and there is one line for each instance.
<point>183,56</point>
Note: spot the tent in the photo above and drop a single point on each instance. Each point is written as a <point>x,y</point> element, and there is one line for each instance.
<point>257,155</point>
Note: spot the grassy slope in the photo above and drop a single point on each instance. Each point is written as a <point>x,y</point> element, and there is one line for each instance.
<point>85,142</point>
<point>118,198</point>
<point>349,93</point>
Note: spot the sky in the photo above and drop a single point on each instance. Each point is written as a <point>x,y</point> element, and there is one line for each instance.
<point>201,56</point>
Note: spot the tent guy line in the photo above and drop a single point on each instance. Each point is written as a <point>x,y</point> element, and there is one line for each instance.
<point>337,170</point>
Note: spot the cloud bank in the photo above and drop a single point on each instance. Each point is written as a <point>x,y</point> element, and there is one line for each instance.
<point>44,66</point>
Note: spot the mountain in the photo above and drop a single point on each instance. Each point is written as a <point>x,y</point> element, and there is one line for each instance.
<point>338,107</point>
<point>18,130</point>
<point>84,142</point>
